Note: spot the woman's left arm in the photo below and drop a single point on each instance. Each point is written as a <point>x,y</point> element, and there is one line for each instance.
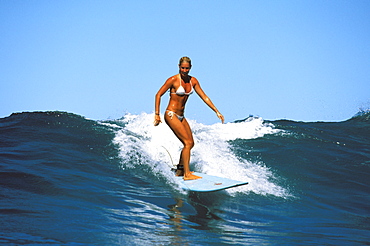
<point>206,99</point>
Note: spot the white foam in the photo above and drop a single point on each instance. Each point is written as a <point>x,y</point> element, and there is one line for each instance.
<point>139,140</point>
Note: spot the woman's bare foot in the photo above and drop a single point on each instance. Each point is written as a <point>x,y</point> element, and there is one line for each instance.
<point>179,172</point>
<point>191,176</point>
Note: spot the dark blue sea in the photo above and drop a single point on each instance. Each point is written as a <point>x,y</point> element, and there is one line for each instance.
<point>68,180</point>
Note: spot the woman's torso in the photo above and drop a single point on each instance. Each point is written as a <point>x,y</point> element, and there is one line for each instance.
<point>179,94</point>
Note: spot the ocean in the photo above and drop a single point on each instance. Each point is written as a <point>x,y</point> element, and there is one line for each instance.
<point>69,180</point>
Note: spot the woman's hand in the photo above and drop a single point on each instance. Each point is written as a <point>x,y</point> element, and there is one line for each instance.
<point>220,116</point>
<point>157,120</point>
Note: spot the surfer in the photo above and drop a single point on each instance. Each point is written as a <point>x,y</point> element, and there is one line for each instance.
<point>181,86</point>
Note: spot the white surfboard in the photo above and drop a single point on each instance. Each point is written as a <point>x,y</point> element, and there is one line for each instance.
<point>208,183</point>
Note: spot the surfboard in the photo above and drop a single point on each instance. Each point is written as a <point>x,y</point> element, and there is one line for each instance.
<point>208,183</point>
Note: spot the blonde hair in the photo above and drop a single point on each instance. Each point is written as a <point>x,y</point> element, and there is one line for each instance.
<point>185,59</point>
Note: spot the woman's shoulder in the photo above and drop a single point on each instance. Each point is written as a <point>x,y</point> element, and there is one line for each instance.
<point>173,78</point>
<point>193,80</point>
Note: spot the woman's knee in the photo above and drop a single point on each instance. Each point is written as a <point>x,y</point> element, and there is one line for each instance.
<point>189,144</point>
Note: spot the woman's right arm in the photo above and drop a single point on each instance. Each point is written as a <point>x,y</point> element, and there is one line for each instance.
<point>162,90</point>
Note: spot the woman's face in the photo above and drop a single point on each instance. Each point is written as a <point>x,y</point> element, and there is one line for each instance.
<point>184,68</point>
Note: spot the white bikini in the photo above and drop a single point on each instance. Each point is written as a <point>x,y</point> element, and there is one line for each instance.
<point>180,92</point>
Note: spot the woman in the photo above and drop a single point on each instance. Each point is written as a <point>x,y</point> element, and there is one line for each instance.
<point>181,86</point>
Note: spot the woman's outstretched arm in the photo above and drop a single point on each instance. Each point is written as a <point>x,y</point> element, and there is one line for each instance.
<point>206,99</point>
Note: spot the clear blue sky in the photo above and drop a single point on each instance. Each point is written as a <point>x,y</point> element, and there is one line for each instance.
<point>300,60</point>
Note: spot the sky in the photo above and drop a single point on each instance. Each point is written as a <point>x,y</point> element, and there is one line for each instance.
<point>297,60</point>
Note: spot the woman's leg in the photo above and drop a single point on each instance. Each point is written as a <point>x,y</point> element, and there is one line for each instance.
<point>183,133</point>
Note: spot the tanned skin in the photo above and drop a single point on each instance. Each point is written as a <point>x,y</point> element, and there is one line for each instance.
<point>177,105</point>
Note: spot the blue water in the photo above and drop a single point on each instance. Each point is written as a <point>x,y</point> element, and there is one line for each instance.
<point>68,180</point>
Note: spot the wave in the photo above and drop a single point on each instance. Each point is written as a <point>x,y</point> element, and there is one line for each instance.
<point>68,180</point>
<point>142,144</point>
<point>362,115</point>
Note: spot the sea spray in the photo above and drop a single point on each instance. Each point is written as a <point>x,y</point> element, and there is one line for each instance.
<point>142,144</point>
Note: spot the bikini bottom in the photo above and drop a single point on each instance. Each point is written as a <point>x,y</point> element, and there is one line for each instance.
<point>171,114</point>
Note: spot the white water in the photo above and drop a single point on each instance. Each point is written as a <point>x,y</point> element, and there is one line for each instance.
<point>139,140</point>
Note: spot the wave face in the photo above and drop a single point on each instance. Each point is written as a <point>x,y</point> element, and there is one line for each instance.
<point>68,180</point>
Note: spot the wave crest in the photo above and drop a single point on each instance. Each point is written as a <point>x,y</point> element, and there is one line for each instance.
<point>140,143</point>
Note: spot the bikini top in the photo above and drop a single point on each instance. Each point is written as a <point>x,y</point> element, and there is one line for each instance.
<point>181,91</point>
